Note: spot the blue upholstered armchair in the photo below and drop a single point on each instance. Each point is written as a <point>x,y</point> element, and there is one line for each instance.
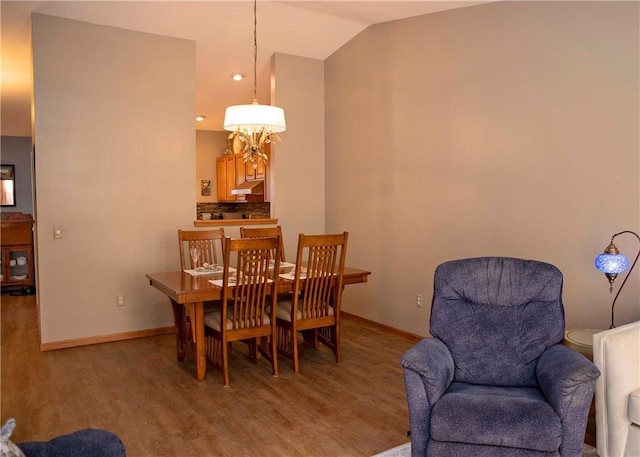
<point>495,379</point>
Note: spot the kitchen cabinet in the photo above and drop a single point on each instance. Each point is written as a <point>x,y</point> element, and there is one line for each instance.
<point>226,177</point>
<point>232,170</point>
<point>239,175</point>
<point>259,173</point>
<point>16,250</point>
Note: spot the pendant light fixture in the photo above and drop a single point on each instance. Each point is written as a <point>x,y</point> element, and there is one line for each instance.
<point>255,125</point>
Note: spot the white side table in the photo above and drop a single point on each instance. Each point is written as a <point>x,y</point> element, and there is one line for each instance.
<point>581,339</point>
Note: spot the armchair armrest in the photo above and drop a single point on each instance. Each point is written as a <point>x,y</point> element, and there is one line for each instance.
<point>563,373</point>
<point>428,372</point>
<point>430,359</point>
<point>567,380</point>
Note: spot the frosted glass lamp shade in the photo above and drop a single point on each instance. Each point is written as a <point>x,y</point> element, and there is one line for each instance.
<point>254,118</point>
<point>611,263</point>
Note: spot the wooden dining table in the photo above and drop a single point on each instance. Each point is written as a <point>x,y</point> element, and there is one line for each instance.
<point>188,293</point>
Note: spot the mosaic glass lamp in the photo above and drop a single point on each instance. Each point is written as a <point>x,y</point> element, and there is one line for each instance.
<point>612,263</point>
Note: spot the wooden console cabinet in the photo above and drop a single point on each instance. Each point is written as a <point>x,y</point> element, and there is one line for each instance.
<point>16,250</point>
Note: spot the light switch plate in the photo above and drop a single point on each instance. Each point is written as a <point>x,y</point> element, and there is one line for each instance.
<point>57,232</point>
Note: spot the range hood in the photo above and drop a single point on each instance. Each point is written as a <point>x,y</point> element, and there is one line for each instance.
<point>249,188</point>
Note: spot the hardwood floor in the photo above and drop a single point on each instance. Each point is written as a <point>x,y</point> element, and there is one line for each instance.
<point>138,390</point>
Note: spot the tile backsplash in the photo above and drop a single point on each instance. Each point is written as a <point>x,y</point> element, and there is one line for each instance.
<point>251,210</point>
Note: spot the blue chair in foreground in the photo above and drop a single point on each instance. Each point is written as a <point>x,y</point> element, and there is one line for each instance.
<point>495,379</point>
<point>83,443</point>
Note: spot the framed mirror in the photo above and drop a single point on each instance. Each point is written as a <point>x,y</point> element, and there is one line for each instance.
<point>8,185</point>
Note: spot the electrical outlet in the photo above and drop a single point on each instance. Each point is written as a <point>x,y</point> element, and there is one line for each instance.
<point>419,300</point>
<point>120,300</point>
<point>58,234</point>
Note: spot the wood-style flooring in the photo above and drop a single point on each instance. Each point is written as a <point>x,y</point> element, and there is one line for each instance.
<point>139,391</point>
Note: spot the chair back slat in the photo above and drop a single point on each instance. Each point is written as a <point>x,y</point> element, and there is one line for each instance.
<point>210,243</point>
<point>321,285</point>
<point>253,280</point>
<point>264,232</point>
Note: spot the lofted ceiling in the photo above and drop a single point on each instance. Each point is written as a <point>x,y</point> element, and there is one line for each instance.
<point>222,30</point>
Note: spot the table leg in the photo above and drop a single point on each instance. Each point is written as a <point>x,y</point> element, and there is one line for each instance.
<point>178,317</point>
<point>198,331</point>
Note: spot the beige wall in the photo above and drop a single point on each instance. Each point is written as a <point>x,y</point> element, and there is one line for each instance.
<point>209,146</point>
<point>297,182</point>
<point>478,131</point>
<point>507,129</point>
<point>115,165</point>
<point>297,172</point>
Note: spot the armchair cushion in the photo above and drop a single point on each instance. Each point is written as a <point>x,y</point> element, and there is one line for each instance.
<point>497,316</point>
<point>517,417</point>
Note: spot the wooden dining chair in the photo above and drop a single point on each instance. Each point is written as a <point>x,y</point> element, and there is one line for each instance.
<point>261,232</point>
<point>245,295</point>
<point>210,245</point>
<point>314,308</point>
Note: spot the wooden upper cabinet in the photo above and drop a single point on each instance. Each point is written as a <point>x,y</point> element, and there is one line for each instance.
<point>239,175</point>
<point>225,178</point>
<point>232,170</point>
<point>221,183</point>
<point>255,174</point>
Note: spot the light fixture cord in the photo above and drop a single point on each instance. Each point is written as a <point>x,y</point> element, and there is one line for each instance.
<point>628,272</point>
<point>255,50</point>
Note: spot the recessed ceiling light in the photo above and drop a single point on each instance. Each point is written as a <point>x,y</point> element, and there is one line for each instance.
<point>200,117</point>
<point>237,77</point>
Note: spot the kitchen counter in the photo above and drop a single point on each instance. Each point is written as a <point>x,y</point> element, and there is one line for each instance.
<point>234,222</point>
